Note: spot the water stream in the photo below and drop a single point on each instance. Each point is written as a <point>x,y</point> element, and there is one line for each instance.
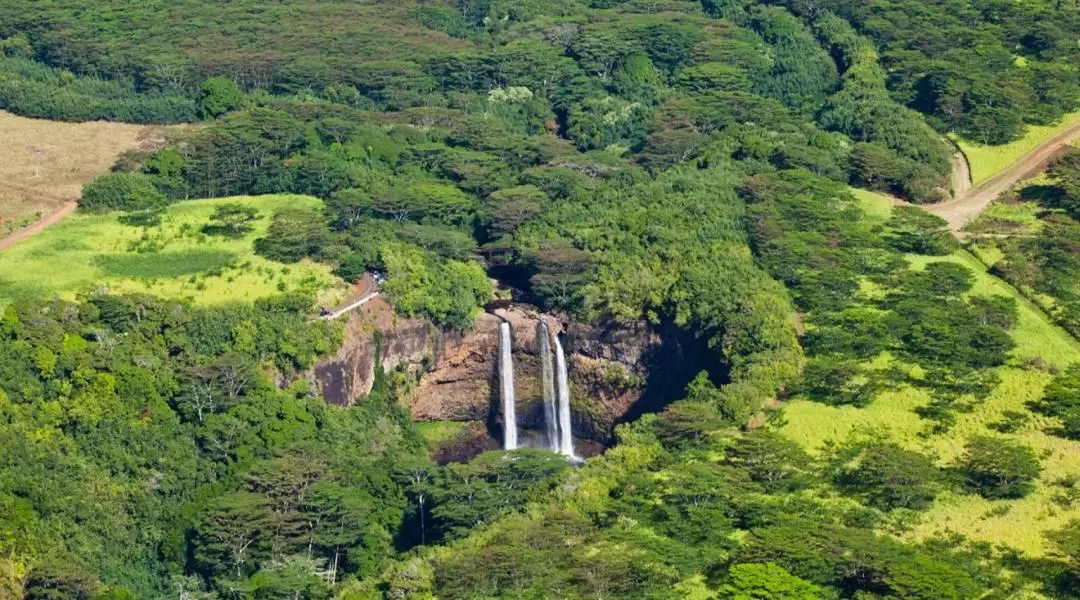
<point>566,437</point>
<point>547,375</point>
<point>506,378</point>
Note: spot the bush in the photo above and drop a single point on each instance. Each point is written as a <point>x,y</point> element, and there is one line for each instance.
<point>121,191</point>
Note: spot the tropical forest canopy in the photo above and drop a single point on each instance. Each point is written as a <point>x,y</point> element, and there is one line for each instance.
<point>683,164</point>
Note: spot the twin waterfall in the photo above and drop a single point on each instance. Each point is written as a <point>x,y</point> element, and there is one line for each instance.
<point>506,377</point>
<point>566,438</point>
<point>556,390</point>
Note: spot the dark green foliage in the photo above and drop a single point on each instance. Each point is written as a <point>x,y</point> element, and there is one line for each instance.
<point>912,230</point>
<point>1047,262</point>
<point>802,74</point>
<point>293,234</point>
<point>836,382</point>
<point>688,423</point>
<point>164,265</point>
<point>231,220</point>
<point>61,581</point>
<point>996,468</point>
<point>766,582</point>
<point>956,63</point>
<point>855,560</point>
<point>217,96</point>
<point>35,90</point>
<point>142,218</point>
<point>121,191</point>
<point>618,162</point>
<point>561,273</point>
<point>807,232</point>
<point>173,404</point>
<point>885,476</point>
<point>1061,399</point>
<point>1065,173</point>
<point>489,486</point>
<point>538,555</point>
<point>773,461</point>
<point>1067,541</point>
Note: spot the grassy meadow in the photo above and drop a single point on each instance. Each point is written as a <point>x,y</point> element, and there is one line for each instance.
<point>986,161</point>
<point>1041,348</point>
<point>85,252</point>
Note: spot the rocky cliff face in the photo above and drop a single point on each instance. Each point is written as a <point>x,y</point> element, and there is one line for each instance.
<point>616,372</point>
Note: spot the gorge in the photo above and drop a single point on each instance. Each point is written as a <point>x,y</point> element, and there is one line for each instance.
<point>571,382</point>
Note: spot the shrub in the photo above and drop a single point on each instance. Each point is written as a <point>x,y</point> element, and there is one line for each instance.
<point>121,191</point>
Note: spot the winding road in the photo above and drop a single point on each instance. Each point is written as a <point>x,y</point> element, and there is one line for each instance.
<point>969,203</point>
<point>371,290</point>
<point>362,300</point>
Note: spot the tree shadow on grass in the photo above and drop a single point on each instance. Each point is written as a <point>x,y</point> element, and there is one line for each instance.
<point>163,265</point>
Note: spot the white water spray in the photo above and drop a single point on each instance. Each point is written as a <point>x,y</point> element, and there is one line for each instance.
<point>566,437</point>
<point>506,377</point>
<point>547,377</point>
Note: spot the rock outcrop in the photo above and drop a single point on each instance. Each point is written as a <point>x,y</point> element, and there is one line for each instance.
<point>617,372</point>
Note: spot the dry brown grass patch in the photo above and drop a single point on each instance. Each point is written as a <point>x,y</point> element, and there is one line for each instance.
<point>44,164</point>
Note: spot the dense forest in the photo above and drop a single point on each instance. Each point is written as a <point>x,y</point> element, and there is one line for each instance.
<point>682,164</point>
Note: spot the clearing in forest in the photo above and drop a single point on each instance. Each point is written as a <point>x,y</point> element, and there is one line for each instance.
<point>174,259</point>
<point>987,161</point>
<point>44,164</point>
<point>1041,348</point>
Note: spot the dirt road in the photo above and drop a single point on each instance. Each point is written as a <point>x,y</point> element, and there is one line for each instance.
<point>47,221</point>
<point>967,206</point>
<point>961,172</point>
<point>367,289</point>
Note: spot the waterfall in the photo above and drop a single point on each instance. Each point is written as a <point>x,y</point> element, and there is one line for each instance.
<point>566,437</point>
<point>506,377</point>
<point>547,373</point>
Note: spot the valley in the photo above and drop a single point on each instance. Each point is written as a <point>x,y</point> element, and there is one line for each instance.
<point>509,299</point>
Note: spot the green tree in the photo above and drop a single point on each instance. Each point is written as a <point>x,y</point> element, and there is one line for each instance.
<point>886,476</point>
<point>121,191</point>
<point>913,230</point>
<point>1061,399</point>
<point>233,535</point>
<point>772,460</point>
<point>491,485</point>
<point>60,581</point>
<point>217,96</point>
<point>232,220</point>
<point>997,469</point>
<point>294,234</point>
<point>513,206</point>
<point>766,582</point>
<point>688,424</point>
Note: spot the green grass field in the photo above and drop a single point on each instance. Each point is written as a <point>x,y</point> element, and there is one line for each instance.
<point>1017,524</point>
<point>985,161</point>
<point>88,252</point>
<point>438,432</point>
<point>874,206</point>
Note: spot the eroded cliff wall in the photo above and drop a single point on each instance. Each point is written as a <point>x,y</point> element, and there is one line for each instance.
<point>617,372</point>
